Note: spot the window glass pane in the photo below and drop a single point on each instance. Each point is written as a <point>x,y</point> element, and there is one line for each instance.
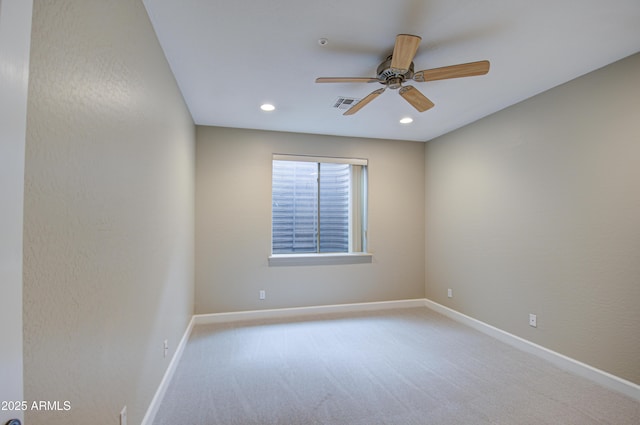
<point>318,207</point>
<point>334,207</point>
<point>295,207</point>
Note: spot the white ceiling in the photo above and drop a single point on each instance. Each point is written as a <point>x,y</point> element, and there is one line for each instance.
<point>231,56</point>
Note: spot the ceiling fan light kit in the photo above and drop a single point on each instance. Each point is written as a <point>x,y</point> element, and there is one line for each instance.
<point>399,68</point>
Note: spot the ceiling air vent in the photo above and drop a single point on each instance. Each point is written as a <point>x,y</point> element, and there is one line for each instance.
<point>345,102</point>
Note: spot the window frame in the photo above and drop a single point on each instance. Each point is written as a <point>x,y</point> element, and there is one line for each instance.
<point>360,202</point>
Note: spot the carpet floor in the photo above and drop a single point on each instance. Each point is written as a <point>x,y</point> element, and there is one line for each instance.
<point>394,367</point>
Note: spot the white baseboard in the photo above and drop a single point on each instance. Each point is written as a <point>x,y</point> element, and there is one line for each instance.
<point>166,379</point>
<point>304,311</point>
<point>566,363</point>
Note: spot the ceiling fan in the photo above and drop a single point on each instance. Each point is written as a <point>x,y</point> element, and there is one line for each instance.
<point>398,68</point>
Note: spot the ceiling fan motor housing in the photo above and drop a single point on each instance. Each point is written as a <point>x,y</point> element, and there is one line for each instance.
<point>390,77</point>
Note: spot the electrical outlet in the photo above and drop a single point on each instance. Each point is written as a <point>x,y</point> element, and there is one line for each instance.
<point>450,293</point>
<point>263,294</point>
<point>123,416</point>
<point>533,320</point>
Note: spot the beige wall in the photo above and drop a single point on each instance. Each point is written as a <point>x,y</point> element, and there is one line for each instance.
<point>233,223</point>
<point>108,225</point>
<point>536,209</point>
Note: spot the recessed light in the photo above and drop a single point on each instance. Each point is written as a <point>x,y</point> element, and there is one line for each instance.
<point>406,120</point>
<point>323,41</point>
<point>267,107</point>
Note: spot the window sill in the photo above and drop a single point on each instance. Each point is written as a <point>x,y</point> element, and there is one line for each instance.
<point>319,259</point>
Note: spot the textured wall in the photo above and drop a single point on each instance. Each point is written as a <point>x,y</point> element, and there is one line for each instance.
<point>536,210</point>
<point>108,226</point>
<point>233,223</point>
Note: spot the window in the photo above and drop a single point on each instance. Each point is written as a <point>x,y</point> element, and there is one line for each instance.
<point>318,206</point>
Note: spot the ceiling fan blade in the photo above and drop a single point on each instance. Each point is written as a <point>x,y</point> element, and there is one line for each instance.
<point>415,98</point>
<point>346,80</point>
<point>403,52</point>
<point>454,71</point>
<point>364,101</point>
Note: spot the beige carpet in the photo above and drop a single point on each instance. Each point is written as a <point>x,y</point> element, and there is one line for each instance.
<point>398,367</point>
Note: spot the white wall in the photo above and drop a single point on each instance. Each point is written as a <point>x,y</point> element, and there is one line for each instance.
<point>15,35</point>
<point>536,209</point>
<point>108,215</point>
<point>233,223</point>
